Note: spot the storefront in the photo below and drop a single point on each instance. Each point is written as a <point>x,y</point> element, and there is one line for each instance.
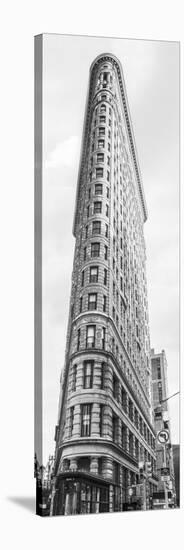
<point>80,493</point>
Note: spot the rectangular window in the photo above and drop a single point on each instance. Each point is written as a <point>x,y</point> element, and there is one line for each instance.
<point>80,307</point>
<point>109,147</point>
<point>92,301</point>
<point>78,339</point>
<point>96,228</point>
<point>74,377</point>
<point>88,374</point>
<point>101,131</point>
<point>106,230</point>
<point>102,119</point>
<point>71,420</point>
<point>104,303</point>
<point>105,252</point>
<point>100,157</point>
<point>99,172</point>
<point>85,420</point>
<point>101,143</point>
<point>84,253</point>
<point>97,209</point>
<point>86,231</point>
<point>93,275</point>
<point>105,277</point>
<point>90,336</point>
<point>98,189</point>
<point>101,420</point>
<point>82,279</point>
<point>107,210</point>
<point>88,207</point>
<point>108,175</point>
<point>103,337</point>
<point>95,250</point>
<point>103,366</point>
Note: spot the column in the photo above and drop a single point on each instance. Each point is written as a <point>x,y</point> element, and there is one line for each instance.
<point>73,464</point>
<point>108,468</point>
<point>95,420</point>
<point>94,465</point>
<point>127,448</point>
<point>97,370</point>
<point>107,422</point>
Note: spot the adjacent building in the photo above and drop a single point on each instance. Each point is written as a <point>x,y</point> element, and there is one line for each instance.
<point>164,452</point>
<point>105,417</point>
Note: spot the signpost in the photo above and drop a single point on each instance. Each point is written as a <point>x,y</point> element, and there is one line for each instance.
<point>163,439</point>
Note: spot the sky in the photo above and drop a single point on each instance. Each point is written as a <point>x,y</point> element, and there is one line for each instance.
<point>151,72</point>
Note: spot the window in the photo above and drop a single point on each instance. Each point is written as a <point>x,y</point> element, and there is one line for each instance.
<point>103,337</point>
<point>108,175</point>
<point>98,189</point>
<point>86,231</point>
<point>99,172</point>
<point>107,192</point>
<point>90,336</point>
<point>85,420</point>
<point>106,230</point>
<point>116,473</point>
<point>105,252</point>
<point>84,253</point>
<point>101,131</point>
<point>82,279</point>
<point>100,157</point>
<point>74,377</point>
<point>105,277</point>
<point>80,306</point>
<point>107,210</point>
<point>101,419</point>
<point>88,207</point>
<point>101,143</point>
<point>78,339</point>
<point>104,303</point>
<point>93,275</point>
<point>88,374</point>
<point>104,97</point>
<point>89,193</point>
<point>95,250</point>
<point>96,228</point>
<point>115,387</point>
<point>71,420</point>
<point>92,301</point>
<point>103,366</point>
<point>97,207</point>
<point>103,108</point>
<point>114,428</point>
<point>102,119</point>
<point>109,146</point>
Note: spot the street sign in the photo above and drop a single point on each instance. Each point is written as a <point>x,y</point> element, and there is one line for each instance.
<point>163,437</point>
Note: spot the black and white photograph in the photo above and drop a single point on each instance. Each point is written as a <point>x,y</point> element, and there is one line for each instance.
<point>107,381</point>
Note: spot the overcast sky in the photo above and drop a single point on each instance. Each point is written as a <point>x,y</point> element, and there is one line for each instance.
<point>151,71</point>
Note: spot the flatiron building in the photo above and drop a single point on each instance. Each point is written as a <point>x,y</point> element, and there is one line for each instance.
<point>104,427</point>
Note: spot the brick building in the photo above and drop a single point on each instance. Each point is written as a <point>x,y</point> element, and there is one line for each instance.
<point>105,421</point>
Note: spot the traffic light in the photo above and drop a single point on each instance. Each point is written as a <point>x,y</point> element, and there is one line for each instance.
<point>148,469</point>
<point>141,471</point>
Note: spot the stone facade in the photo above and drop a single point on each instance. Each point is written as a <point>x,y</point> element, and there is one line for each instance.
<point>105,425</point>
